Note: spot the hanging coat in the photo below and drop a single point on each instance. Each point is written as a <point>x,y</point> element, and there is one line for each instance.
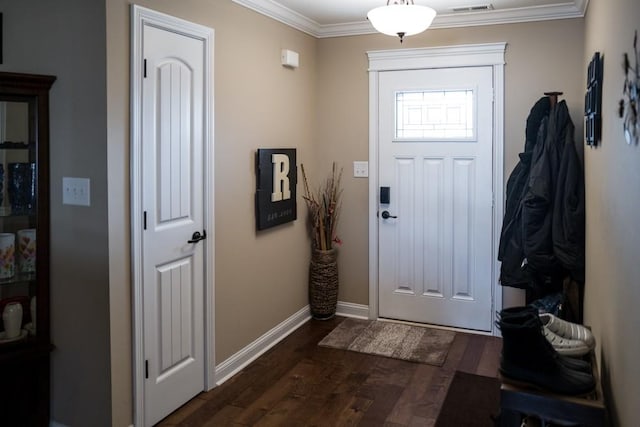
<point>537,203</point>
<point>543,229</point>
<point>568,224</point>
<point>510,252</point>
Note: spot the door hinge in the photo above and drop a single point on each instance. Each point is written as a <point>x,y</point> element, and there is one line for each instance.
<point>144,220</point>
<point>146,369</point>
<point>145,68</point>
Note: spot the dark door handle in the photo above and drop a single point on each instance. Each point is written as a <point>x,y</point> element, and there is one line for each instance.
<point>197,237</point>
<point>387,215</point>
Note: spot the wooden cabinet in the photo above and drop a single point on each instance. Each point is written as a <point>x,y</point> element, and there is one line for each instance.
<point>25,343</point>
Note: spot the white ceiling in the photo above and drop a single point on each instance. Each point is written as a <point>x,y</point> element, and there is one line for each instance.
<point>332,18</point>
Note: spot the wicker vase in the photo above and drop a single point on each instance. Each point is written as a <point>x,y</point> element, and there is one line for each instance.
<point>323,283</point>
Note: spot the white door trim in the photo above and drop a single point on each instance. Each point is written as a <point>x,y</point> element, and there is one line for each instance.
<point>140,17</point>
<point>491,54</point>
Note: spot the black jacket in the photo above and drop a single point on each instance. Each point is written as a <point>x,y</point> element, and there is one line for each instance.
<point>568,219</point>
<point>510,252</point>
<point>543,229</point>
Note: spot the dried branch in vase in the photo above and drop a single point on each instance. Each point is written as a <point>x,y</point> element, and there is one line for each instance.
<point>324,209</point>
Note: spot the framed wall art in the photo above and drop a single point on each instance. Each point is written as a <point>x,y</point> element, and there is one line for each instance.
<point>593,101</point>
<point>276,180</point>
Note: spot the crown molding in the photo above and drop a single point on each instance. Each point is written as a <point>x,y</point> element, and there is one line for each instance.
<point>512,16</point>
<point>274,10</point>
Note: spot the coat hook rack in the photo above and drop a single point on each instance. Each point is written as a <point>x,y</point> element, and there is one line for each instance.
<point>553,98</point>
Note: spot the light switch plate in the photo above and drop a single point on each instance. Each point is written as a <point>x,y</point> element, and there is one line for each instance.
<point>76,191</point>
<point>360,169</point>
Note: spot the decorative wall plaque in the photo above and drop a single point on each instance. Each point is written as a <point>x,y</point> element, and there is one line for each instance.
<point>593,101</point>
<point>276,179</point>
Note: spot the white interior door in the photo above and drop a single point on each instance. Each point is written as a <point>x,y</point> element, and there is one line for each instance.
<point>172,199</point>
<point>436,157</point>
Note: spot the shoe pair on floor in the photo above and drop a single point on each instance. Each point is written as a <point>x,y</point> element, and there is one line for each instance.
<point>569,339</point>
<point>528,355</point>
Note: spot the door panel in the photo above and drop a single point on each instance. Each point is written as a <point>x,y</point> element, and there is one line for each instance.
<point>174,107</point>
<point>175,304</point>
<point>404,240</point>
<point>433,229</point>
<point>436,155</point>
<point>173,201</point>
<point>463,226</point>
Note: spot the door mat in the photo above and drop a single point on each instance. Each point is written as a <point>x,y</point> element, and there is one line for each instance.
<point>396,340</point>
<point>471,401</point>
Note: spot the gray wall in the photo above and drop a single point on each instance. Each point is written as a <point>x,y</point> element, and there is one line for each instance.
<point>612,173</point>
<point>67,39</point>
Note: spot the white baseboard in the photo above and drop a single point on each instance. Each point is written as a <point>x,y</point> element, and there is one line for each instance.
<point>238,361</point>
<point>348,309</point>
<point>241,359</point>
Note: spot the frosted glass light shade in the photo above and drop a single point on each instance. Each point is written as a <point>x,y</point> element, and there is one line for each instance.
<point>401,19</point>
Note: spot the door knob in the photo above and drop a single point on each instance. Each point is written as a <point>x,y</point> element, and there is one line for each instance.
<point>387,215</point>
<point>196,237</point>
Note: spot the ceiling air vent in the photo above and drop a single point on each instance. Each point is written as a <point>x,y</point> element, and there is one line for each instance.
<point>476,8</point>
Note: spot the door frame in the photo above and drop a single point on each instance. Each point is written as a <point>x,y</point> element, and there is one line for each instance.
<point>140,17</point>
<point>472,55</point>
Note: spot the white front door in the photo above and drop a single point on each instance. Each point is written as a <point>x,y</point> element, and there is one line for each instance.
<point>436,158</point>
<point>172,198</point>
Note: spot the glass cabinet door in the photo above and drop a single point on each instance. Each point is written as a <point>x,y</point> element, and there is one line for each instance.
<point>24,249</point>
<point>18,221</point>
<point>24,212</point>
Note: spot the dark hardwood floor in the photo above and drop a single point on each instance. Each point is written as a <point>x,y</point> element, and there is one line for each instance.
<point>298,383</point>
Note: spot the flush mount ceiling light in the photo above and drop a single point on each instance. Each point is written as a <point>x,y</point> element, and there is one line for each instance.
<point>401,18</point>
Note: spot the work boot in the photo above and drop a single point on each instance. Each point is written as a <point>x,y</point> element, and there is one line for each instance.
<point>528,357</point>
<point>521,314</point>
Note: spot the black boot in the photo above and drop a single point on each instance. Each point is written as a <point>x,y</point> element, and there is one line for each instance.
<point>521,314</point>
<point>527,356</point>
